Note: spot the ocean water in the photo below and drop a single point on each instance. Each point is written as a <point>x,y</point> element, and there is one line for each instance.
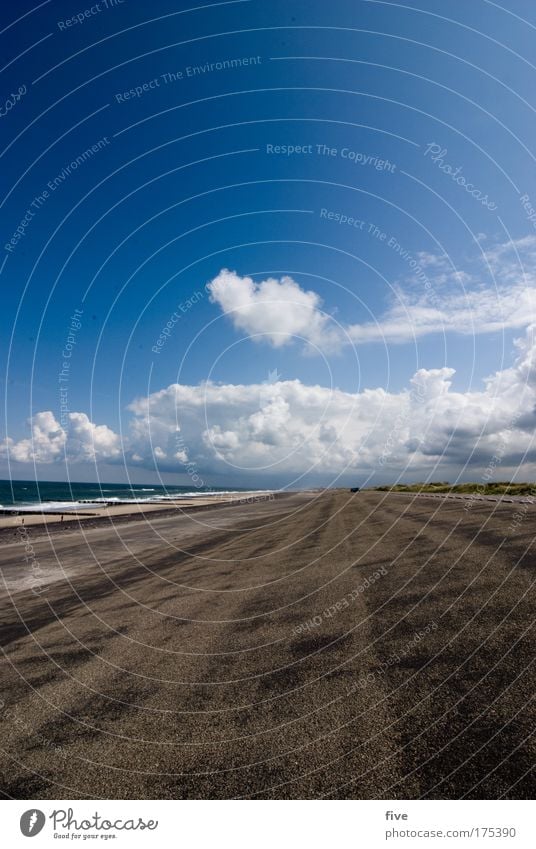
<point>50,495</point>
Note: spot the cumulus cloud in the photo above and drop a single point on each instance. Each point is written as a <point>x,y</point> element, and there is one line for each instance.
<point>497,291</point>
<point>287,429</point>
<point>273,426</point>
<point>274,310</point>
<point>293,428</point>
<point>88,441</point>
<point>46,444</point>
<point>81,440</point>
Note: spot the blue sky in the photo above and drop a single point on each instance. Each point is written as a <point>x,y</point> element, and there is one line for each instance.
<point>333,148</point>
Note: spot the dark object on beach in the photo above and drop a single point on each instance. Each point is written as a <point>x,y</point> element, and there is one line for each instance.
<point>354,489</point>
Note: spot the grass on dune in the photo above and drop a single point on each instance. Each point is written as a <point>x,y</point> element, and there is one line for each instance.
<point>492,488</point>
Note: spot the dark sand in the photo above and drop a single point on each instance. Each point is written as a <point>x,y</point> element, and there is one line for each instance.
<point>169,658</point>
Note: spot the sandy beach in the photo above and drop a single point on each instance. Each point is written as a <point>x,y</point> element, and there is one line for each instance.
<point>112,511</point>
<point>316,645</point>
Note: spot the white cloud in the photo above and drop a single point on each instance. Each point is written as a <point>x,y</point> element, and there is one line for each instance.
<point>288,429</point>
<point>496,292</point>
<point>46,444</point>
<point>88,441</point>
<point>80,441</point>
<point>274,310</point>
<point>467,312</point>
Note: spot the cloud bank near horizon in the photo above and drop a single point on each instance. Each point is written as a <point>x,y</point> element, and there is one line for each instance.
<point>289,430</point>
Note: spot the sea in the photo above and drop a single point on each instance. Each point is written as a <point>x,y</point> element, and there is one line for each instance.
<point>51,495</point>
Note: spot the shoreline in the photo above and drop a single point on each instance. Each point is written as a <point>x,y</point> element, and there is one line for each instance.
<point>52,522</point>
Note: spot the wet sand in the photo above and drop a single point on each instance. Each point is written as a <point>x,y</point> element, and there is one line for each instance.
<point>317,645</point>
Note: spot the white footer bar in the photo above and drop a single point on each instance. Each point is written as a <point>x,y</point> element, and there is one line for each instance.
<point>256,824</point>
